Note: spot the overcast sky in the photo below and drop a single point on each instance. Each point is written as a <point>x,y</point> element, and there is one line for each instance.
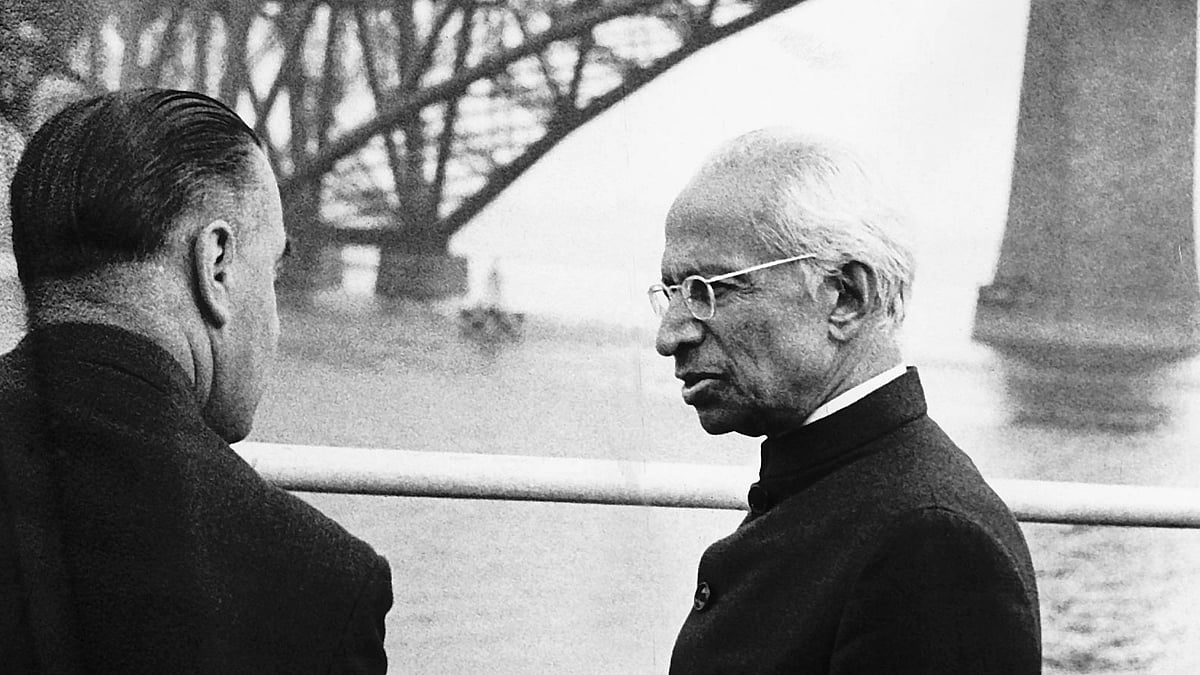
<point>927,89</point>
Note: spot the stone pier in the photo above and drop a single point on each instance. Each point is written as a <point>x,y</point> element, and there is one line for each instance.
<point>1096,289</point>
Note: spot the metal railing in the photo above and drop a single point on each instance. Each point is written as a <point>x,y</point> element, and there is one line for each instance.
<point>404,473</point>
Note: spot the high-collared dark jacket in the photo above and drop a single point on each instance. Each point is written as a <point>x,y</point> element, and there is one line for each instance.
<point>134,540</point>
<point>873,546</point>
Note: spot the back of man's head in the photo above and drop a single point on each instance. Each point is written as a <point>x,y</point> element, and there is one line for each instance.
<point>156,212</point>
<point>103,181</point>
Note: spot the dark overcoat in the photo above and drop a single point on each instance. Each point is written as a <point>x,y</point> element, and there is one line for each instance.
<point>133,539</point>
<point>873,546</point>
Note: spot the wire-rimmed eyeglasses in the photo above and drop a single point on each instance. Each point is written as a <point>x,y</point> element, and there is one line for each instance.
<point>697,291</point>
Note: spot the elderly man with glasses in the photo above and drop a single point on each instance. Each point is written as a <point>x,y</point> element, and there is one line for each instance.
<point>872,544</point>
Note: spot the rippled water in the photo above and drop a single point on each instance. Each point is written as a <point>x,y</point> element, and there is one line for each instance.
<point>506,587</point>
<point>520,587</point>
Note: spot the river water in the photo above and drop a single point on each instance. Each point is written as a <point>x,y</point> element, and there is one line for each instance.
<point>502,587</point>
<point>514,587</point>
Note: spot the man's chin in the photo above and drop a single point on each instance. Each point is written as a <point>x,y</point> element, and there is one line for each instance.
<point>723,420</point>
<point>231,428</point>
<point>717,422</point>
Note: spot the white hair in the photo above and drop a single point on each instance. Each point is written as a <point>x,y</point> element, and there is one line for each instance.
<point>822,201</point>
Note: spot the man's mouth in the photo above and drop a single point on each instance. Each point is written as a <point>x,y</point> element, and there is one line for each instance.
<point>695,384</point>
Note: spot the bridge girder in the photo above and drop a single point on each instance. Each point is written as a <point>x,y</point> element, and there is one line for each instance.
<point>413,113</point>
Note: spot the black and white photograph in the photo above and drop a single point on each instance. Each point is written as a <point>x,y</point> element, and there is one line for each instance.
<point>687,337</point>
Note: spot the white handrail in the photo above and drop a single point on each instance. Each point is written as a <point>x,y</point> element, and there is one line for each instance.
<point>372,471</point>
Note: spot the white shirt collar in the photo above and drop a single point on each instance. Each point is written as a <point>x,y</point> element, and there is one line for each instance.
<point>853,394</point>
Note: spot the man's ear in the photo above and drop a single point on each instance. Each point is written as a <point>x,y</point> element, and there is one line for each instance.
<point>856,288</point>
<point>212,253</point>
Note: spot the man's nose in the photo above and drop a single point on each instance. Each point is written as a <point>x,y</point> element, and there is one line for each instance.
<point>677,328</point>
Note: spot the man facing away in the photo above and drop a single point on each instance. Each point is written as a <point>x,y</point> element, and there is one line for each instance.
<point>147,230</point>
<point>873,544</point>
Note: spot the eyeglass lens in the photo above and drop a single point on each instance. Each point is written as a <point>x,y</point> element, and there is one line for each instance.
<point>660,300</point>
<point>699,297</point>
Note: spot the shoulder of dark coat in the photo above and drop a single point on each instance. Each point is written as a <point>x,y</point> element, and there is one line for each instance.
<point>294,526</point>
<point>913,467</point>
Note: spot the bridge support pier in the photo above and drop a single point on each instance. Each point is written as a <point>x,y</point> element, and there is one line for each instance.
<point>1096,290</point>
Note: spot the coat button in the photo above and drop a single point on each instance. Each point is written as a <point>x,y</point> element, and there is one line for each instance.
<point>758,499</point>
<point>703,595</point>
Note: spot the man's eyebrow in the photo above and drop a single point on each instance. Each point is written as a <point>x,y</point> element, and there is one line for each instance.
<point>678,274</point>
<point>704,270</point>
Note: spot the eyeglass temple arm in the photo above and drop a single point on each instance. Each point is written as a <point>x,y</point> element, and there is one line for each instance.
<point>762,266</point>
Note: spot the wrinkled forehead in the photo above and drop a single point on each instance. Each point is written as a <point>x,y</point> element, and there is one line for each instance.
<point>713,220</point>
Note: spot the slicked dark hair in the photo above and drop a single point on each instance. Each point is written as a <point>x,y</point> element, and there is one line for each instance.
<point>104,180</point>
